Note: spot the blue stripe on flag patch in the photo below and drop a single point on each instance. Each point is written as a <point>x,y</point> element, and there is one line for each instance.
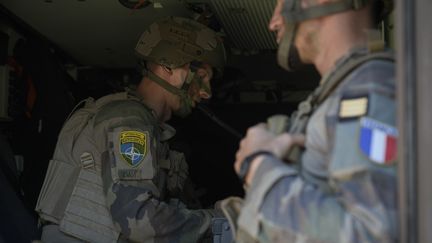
<point>365,140</point>
<point>377,141</point>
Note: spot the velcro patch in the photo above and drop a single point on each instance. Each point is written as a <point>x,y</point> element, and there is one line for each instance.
<point>129,173</point>
<point>353,107</point>
<point>133,147</point>
<point>378,141</point>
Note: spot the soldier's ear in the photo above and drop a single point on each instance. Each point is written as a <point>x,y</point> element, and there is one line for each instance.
<point>167,69</point>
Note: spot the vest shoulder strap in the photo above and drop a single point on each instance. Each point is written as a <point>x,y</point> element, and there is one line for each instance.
<point>334,80</point>
<point>329,84</point>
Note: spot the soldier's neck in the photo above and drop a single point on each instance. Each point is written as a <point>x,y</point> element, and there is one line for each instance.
<point>153,97</point>
<point>338,36</point>
<point>326,62</point>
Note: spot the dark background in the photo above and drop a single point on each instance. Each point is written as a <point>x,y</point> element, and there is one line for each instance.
<point>42,93</point>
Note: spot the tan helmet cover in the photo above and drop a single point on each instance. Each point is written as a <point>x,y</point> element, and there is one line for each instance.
<point>175,41</point>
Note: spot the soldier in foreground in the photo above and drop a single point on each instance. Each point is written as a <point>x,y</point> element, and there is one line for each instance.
<point>342,186</point>
<point>113,175</point>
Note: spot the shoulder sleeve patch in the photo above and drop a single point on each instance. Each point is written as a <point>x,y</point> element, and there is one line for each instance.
<point>132,154</point>
<point>353,107</point>
<point>133,147</point>
<point>378,141</point>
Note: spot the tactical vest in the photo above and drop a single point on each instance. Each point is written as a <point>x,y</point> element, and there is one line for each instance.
<point>72,194</point>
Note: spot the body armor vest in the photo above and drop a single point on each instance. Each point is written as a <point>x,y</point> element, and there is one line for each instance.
<point>72,194</point>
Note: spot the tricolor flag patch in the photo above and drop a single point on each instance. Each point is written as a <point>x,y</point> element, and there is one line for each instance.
<point>378,141</point>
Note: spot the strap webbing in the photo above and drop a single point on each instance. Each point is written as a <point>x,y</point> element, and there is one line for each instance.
<point>298,14</point>
<point>332,81</point>
<point>329,84</point>
<point>164,84</point>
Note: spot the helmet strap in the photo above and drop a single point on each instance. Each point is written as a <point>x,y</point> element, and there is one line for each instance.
<point>164,84</point>
<point>190,76</point>
<point>285,46</point>
<point>298,15</point>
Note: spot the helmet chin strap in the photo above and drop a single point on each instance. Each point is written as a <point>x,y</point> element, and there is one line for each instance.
<point>286,46</point>
<point>164,84</point>
<point>297,14</point>
<point>185,100</point>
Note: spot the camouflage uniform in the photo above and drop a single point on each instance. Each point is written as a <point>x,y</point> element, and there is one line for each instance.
<point>344,188</point>
<point>135,196</point>
<point>126,150</point>
<point>112,171</point>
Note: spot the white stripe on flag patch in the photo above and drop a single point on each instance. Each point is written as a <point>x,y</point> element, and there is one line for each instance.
<point>378,145</point>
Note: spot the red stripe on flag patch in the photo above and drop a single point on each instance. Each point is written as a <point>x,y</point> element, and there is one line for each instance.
<point>391,149</point>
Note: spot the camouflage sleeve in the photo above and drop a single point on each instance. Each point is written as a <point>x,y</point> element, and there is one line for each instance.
<point>130,174</point>
<point>141,217</point>
<point>355,200</point>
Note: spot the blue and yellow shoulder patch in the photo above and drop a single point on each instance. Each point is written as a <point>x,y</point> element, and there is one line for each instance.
<point>133,147</point>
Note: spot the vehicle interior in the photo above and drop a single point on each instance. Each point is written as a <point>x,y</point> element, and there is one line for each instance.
<point>55,53</point>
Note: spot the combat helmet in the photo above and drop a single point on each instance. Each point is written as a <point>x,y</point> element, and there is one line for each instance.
<point>288,57</point>
<point>294,13</point>
<point>175,41</point>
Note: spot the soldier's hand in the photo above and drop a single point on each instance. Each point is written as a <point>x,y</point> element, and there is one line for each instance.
<point>258,138</point>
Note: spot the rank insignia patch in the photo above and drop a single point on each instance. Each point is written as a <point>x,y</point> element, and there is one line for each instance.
<point>133,147</point>
<point>378,141</point>
<point>354,107</point>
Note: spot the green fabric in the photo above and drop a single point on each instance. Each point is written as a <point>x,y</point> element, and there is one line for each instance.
<point>186,102</point>
<point>166,85</point>
<point>296,15</point>
<point>285,46</point>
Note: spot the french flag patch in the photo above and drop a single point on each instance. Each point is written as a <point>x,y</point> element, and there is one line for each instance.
<point>378,141</point>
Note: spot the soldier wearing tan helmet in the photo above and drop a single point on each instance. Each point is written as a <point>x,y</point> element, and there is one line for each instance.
<point>331,177</point>
<point>113,175</point>
<point>176,43</point>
